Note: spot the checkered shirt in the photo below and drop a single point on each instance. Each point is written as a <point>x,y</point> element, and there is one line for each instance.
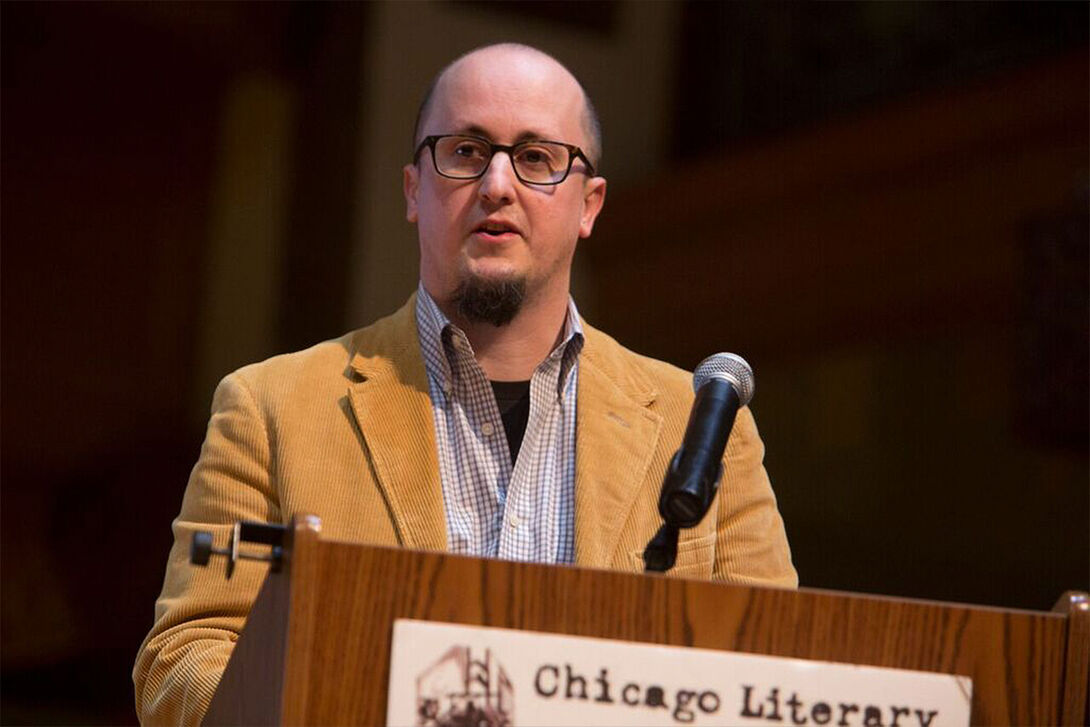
<point>523,512</point>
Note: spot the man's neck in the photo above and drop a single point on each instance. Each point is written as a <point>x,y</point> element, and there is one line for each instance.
<point>512,352</point>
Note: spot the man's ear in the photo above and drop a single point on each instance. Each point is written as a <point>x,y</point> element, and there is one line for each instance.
<point>410,183</point>
<point>594,196</point>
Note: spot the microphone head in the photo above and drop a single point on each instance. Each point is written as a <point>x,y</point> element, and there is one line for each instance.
<point>730,367</point>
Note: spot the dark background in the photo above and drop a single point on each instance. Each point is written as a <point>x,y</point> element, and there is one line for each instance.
<point>883,206</point>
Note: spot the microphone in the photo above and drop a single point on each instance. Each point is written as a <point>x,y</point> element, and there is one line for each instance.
<point>723,383</point>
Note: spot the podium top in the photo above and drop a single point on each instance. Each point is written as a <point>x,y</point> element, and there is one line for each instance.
<point>319,635</point>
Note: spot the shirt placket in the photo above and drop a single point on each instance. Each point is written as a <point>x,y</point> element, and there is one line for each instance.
<point>528,532</point>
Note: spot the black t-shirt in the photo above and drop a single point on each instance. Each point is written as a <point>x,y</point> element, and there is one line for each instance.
<point>513,399</point>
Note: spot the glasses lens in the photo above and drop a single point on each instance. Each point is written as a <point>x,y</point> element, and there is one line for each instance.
<point>461,156</point>
<point>541,162</point>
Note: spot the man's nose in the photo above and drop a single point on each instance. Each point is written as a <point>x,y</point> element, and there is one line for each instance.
<point>499,180</point>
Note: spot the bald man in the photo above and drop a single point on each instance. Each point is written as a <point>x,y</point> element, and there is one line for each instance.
<point>485,417</point>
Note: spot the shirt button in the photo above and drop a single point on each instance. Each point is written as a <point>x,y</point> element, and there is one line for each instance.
<point>513,521</point>
<point>447,387</point>
<point>487,429</point>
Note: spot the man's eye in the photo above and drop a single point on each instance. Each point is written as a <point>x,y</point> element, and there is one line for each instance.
<point>469,151</point>
<point>534,155</point>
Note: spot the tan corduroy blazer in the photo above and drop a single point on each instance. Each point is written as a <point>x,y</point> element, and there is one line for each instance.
<point>344,430</point>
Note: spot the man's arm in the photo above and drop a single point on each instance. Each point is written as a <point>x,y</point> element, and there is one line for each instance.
<point>751,545</point>
<point>200,613</point>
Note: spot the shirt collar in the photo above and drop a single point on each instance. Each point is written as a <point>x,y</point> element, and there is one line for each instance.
<point>438,335</point>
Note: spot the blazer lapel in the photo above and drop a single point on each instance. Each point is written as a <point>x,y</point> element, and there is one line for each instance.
<point>616,437</point>
<point>389,397</point>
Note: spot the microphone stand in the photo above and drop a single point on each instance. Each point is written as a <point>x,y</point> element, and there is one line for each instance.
<point>661,552</point>
<point>723,383</point>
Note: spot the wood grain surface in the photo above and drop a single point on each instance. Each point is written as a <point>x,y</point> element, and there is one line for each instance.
<point>1076,697</point>
<point>337,663</point>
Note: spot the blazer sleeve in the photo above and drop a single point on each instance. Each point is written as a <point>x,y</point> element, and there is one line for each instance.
<point>200,613</point>
<point>751,545</point>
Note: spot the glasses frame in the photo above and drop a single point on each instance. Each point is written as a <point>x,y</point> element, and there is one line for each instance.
<point>574,153</point>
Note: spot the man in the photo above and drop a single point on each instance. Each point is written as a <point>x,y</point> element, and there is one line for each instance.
<point>484,417</point>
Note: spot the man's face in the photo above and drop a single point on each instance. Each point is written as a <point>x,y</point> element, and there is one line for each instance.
<point>497,229</point>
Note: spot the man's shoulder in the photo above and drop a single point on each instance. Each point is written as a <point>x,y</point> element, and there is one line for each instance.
<point>621,363</point>
<point>390,338</point>
<point>324,356</point>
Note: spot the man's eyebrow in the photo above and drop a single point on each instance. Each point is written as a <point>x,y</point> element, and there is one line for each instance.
<point>474,130</point>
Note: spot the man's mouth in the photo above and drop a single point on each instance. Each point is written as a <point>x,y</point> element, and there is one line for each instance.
<point>495,230</point>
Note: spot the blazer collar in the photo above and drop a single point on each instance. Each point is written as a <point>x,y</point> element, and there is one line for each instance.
<point>616,437</point>
<point>389,397</point>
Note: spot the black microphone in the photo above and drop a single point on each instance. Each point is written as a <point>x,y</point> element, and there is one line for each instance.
<point>723,383</point>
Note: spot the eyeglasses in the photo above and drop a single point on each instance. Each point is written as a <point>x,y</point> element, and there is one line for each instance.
<point>535,162</point>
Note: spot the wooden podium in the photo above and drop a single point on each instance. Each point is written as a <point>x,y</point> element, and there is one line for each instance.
<point>316,648</point>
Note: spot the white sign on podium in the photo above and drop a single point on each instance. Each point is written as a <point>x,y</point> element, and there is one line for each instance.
<point>450,675</point>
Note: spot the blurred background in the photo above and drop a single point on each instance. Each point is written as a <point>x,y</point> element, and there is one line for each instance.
<point>882,206</point>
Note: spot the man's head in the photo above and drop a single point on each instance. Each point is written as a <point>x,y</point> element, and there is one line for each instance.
<point>592,126</point>
<point>491,244</point>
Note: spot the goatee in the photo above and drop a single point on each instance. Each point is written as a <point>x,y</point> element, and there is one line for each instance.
<point>489,301</point>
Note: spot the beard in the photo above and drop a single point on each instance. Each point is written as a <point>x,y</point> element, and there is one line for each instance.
<point>489,301</point>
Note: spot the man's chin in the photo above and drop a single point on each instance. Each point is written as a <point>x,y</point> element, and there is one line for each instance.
<point>490,269</point>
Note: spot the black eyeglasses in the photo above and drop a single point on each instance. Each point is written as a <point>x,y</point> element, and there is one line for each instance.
<point>534,162</point>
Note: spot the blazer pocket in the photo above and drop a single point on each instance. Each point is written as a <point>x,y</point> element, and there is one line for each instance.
<point>695,557</point>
